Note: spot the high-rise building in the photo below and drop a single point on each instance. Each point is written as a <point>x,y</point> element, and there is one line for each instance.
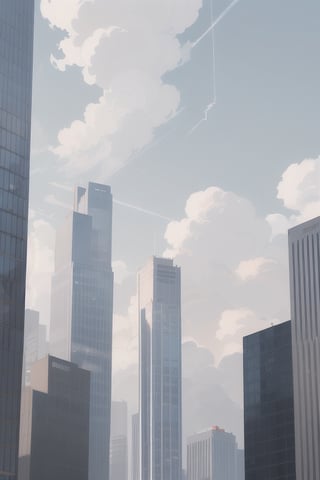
<point>82,304</point>
<point>54,431</point>
<point>135,447</point>
<point>35,342</point>
<point>268,404</point>
<point>212,455</point>
<point>304,262</point>
<point>159,297</point>
<point>119,441</point>
<point>16,54</point>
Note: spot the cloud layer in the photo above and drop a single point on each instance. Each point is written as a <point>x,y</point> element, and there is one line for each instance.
<point>125,49</point>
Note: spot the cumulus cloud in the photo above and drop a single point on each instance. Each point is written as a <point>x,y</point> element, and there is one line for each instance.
<point>299,191</point>
<point>125,50</point>
<point>231,270</point>
<point>250,269</point>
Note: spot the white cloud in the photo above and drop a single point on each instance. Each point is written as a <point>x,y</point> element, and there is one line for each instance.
<point>220,241</point>
<point>250,269</point>
<point>125,50</point>
<point>299,191</point>
<point>120,270</point>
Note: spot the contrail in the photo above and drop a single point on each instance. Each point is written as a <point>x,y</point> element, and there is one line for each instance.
<point>215,23</point>
<point>142,210</point>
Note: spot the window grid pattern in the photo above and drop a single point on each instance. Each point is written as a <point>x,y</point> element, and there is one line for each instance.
<point>16,44</point>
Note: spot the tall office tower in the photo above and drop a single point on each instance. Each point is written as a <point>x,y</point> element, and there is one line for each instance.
<point>212,455</point>
<point>35,342</point>
<point>119,441</point>
<point>54,430</point>
<point>159,297</point>
<point>16,52</point>
<point>135,447</point>
<point>81,312</point>
<point>304,262</point>
<point>268,404</point>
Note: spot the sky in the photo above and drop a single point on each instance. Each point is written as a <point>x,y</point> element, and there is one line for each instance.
<point>211,146</point>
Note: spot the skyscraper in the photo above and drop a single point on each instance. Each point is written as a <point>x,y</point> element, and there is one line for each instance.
<point>268,404</point>
<point>304,262</point>
<point>35,342</point>
<point>81,313</point>
<point>54,432</point>
<point>135,447</point>
<point>159,297</point>
<point>212,455</point>
<point>119,441</point>
<point>16,52</point>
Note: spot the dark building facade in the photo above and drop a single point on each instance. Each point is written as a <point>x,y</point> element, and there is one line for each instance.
<point>304,263</point>
<point>159,297</point>
<point>268,405</point>
<point>16,54</point>
<point>54,431</point>
<point>82,308</point>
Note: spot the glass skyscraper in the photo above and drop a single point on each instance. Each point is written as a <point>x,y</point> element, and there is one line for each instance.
<point>304,261</point>
<point>159,297</point>
<point>268,405</point>
<point>82,306</point>
<point>16,53</point>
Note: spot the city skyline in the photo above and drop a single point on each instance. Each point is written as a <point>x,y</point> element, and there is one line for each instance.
<point>190,133</point>
<point>247,169</point>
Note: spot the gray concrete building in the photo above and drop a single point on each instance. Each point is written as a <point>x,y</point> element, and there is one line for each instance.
<point>16,59</point>
<point>82,308</point>
<point>54,430</point>
<point>212,455</point>
<point>304,263</point>
<point>159,298</point>
<point>119,441</point>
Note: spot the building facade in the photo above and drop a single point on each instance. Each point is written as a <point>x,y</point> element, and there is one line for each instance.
<point>82,308</point>
<point>159,297</point>
<point>212,455</point>
<point>16,55</point>
<point>268,404</point>
<point>135,447</point>
<point>35,342</point>
<point>304,263</point>
<point>54,431</point>
<point>119,441</point>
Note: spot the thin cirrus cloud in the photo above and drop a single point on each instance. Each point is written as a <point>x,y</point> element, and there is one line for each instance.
<point>125,50</point>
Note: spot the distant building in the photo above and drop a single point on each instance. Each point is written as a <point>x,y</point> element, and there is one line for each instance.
<point>54,430</point>
<point>135,447</point>
<point>212,455</point>
<point>16,55</point>
<point>240,470</point>
<point>304,263</point>
<point>119,441</point>
<point>82,308</point>
<point>35,342</point>
<point>159,298</point>
<point>268,405</point>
